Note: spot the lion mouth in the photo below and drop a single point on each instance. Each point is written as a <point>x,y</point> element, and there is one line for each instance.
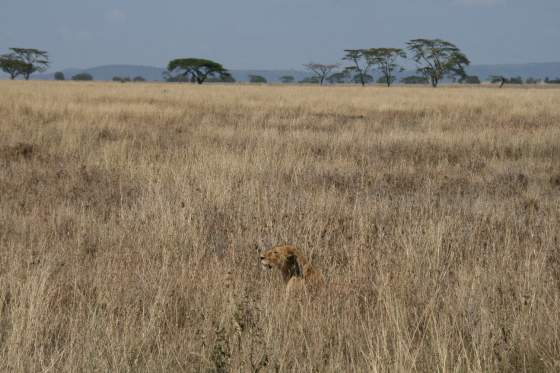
<point>266,265</point>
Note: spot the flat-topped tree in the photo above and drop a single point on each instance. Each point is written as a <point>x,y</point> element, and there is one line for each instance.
<point>437,59</point>
<point>196,69</point>
<point>321,71</point>
<point>12,65</point>
<point>498,79</point>
<point>33,60</point>
<point>361,63</point>
<point>385,59</point>
<point>257,79</point>
<point>287,79</point>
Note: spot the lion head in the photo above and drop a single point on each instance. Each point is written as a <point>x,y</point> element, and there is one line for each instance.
<point>292,264</point>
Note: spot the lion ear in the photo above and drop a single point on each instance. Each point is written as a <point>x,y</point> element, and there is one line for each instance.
<point>293,266</point>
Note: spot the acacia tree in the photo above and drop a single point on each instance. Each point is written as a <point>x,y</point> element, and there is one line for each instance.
<point>361,63</point>
<point>29,61</point>
<point>10,64</point>
<point>196,69</point>
<point>437,59</point>
<point>498,79</point>
<point>385,59</point>
<point>320,70</point>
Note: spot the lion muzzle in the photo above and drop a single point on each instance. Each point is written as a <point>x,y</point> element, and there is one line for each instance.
<point>265,263</point>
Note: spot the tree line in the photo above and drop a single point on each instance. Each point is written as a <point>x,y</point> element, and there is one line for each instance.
<point>435,60</point>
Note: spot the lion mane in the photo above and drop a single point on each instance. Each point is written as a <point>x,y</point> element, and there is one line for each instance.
<point>297,272</point>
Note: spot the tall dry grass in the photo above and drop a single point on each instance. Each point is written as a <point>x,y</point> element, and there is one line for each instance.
<point>129,217</point>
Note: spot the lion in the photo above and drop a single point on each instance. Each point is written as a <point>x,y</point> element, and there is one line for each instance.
<point>297,272</point>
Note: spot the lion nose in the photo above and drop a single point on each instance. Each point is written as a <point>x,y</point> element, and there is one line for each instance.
<point>262,257</point>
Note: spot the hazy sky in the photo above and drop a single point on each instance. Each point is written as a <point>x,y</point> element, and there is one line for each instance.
<point>274,34</point>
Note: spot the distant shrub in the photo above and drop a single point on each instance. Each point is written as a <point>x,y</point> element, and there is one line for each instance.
<point>470,79</point>
<point>310,80</point>
<point>121,79</point>
<point>139,79</point>
<point>59,75</point>
<point>257,79</point>
<point>221,79</point>
<point>515,80</point>
<point>414,80</point>
<point>82,77</point>
<point>287,79</point>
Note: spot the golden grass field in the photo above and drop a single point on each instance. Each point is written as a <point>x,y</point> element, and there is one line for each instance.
<point>130,215</point>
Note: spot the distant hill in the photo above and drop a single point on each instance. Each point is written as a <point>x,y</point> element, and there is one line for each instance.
<point>151,73</point>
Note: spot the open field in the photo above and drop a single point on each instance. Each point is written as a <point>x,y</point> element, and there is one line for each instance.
<point>129,217</point>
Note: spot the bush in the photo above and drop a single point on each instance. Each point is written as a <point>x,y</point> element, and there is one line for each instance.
<point>220,79</point>
<point>287,79</point>
<point>139,79</point>
<point>121,79</point>
<point>516,80</point>
<point>82,77</point>
<point>414,80</point>
<point>257,79</point>
<point>59,76</point>
<point>471,79</point>
<point>310,80</point>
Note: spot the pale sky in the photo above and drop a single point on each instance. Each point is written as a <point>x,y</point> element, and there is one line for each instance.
<point>274,34</point>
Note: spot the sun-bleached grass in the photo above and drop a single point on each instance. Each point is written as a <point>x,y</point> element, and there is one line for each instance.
<point>130,213</point>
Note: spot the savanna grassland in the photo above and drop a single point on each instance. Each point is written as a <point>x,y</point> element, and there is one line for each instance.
<point>130,215</point>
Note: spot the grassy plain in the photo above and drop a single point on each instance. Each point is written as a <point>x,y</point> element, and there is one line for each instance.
<point>130,213</point>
